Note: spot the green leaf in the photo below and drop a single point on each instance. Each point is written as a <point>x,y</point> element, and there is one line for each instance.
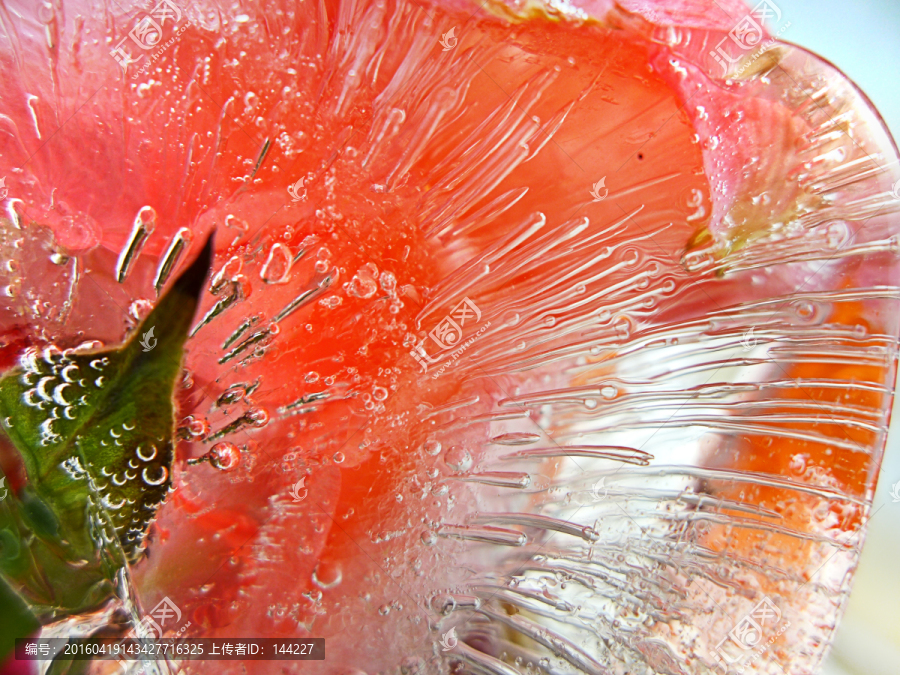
<point>15,620</point>
<point>95,432</point>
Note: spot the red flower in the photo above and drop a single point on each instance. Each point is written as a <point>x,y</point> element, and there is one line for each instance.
<point>365,181</point>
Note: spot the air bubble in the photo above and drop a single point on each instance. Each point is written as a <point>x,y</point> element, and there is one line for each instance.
<point>224,456</point>
<point>42,388</point>
<point>363,284</point>
<point>231,395</point>
<point>259,417</point>
<point>388,282</point>
<point>193,427</point>
<point>169,261</point>
<point>331,301</point>
<point>458,458</point>
<point>277,268</point>
<point>139,309</point>
<point>146,454</point>
<point>147,477</point>
<point>327,575</point>
<point>230,270</point>
<point>806,311</point>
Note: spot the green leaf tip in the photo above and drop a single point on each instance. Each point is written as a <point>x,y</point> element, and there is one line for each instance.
<point>95,429</point>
